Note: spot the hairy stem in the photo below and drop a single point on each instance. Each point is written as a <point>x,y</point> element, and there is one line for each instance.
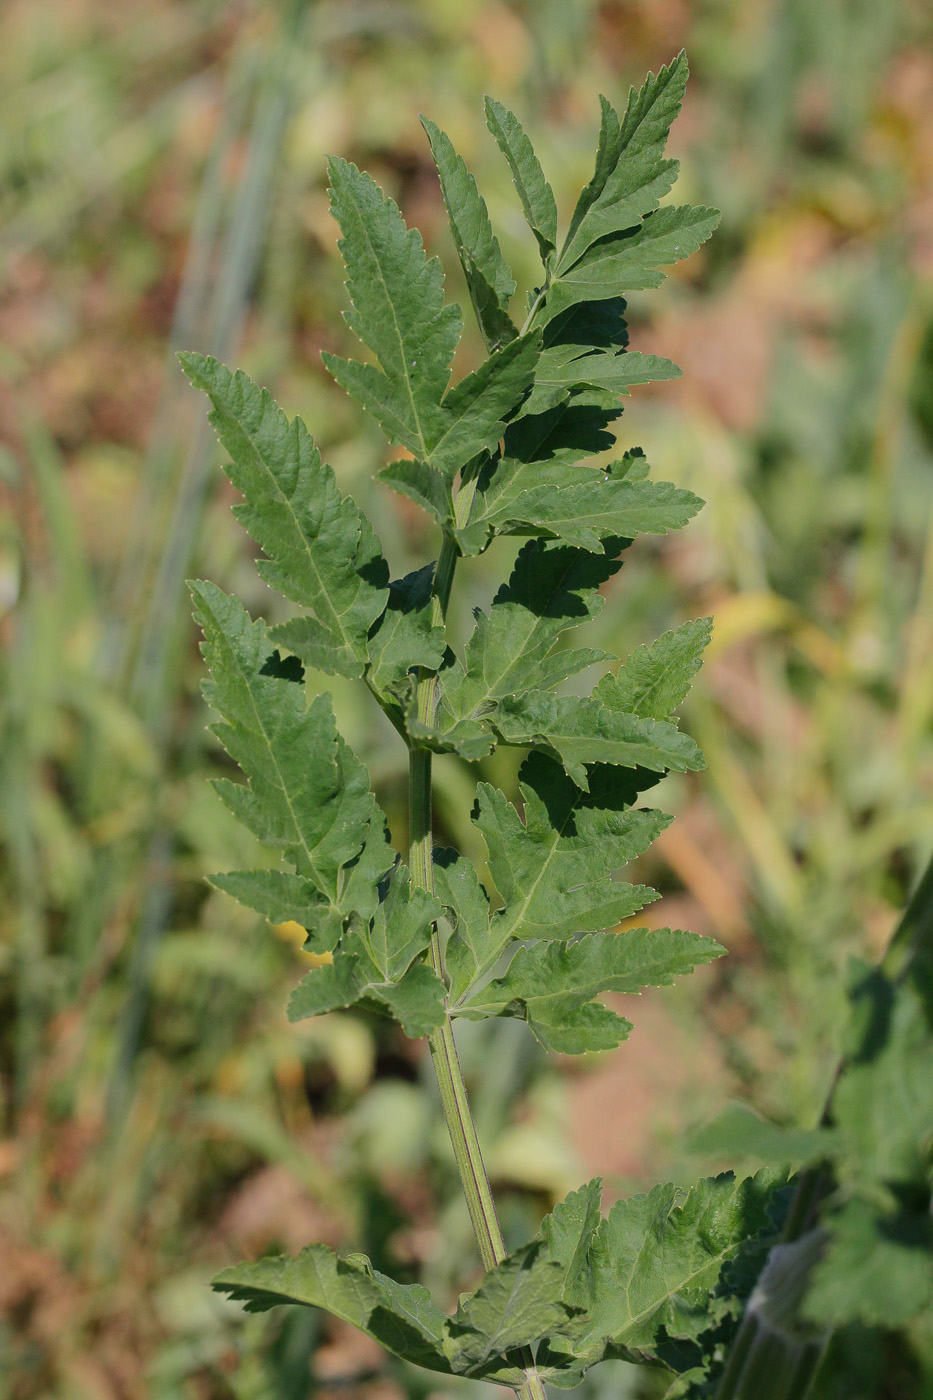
<point>454,1100</point>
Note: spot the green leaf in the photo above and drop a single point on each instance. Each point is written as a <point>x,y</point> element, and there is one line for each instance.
<point>279,895</point>
<point>402,925</point>
<point>374,961</point>
<point>626,189</point>
<point>655,1260</point>
<point>607,158</point>
<point>601,325</point>
<point>878,1221</point>
<point>401,1318</point>
<point>552,985</point>
<point>562,368</point>
<point>306,791</point>
<point>405,637</point>
<point>471,419</point>
<point>878,1269</point>
<point>656,678</point>
<point>554,871</point>
<point>551,588</point>
<point>399,313</point>
<point>322,551</point>
<point>472,739</point>
<point>582,506</point>
<point>473,943</point>
<point>475,410</point>
<point>739,1132</point>
<point>631,261</point>
<point>421,484</point>
<point>571,431</point>
<point>567,1234</point>
<point>535,193</point>
<point>415,999</point>
<point>488,275</point>
<point>579,731</point>
<point>517,1303</point>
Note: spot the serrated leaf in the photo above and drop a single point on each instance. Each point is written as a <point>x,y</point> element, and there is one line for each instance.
<point>400,1317</point>
<point>567,1234</point>
<point>399,313</point>
<point>471,419</point>
<point>282,897</point>
<point>536,195</point>
<point>405,636</point>
<point>620,196</point>
<point>306,791</point>
<point>517,1303</point>
<point>655,1259</point>
<point>569,432</point>
<point>489,278</point>
<point>631,261</point>
<point>421,484</point>
<point>377,965</point>
<point>582,506</point>
<point>581,731</point>
<point>322,552</point>
<point>563,368</point>
<point>401,926</point>
<point>473,943</point>
<point>601,325</point>
<point>553,985</point>
<point>656,678</point>
<point>551,588</point>
<point>554,871</point>
<point>472,739</point>
<point>475,410</point>
<point>607,158</point>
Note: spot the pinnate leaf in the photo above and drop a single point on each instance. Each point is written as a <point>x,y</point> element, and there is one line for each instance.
<point>306,792</point>
<point>553,985</point>
<point>489,278</point>
<point>375,962</point>
<point>535,193</point>
<point>400,1317</point>
<point>656,678</point>
<point>631,261</point>
<point>580,731</point>
<point>631,175</point>
<point>652,1264</point>
<point>563,368</point>
<point>422,484</point>
<point>551,588</point>
<point>322,552</point>
<point>405,636</point>
<point>582,506</point>
<point>474,943</point>
<point>517,1303</point>
<point>554,870</point>
<point>399,313</point>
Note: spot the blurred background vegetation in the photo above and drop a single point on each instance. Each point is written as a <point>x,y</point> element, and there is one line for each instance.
<point>161,187</point>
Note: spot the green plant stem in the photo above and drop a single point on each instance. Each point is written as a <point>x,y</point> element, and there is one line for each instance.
<point>454,1100</point>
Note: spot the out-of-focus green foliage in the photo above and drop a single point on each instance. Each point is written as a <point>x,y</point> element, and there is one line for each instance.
<point>162,185</point>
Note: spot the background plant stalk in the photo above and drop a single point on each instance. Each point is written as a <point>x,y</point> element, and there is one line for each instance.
<point>454,1099</point>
